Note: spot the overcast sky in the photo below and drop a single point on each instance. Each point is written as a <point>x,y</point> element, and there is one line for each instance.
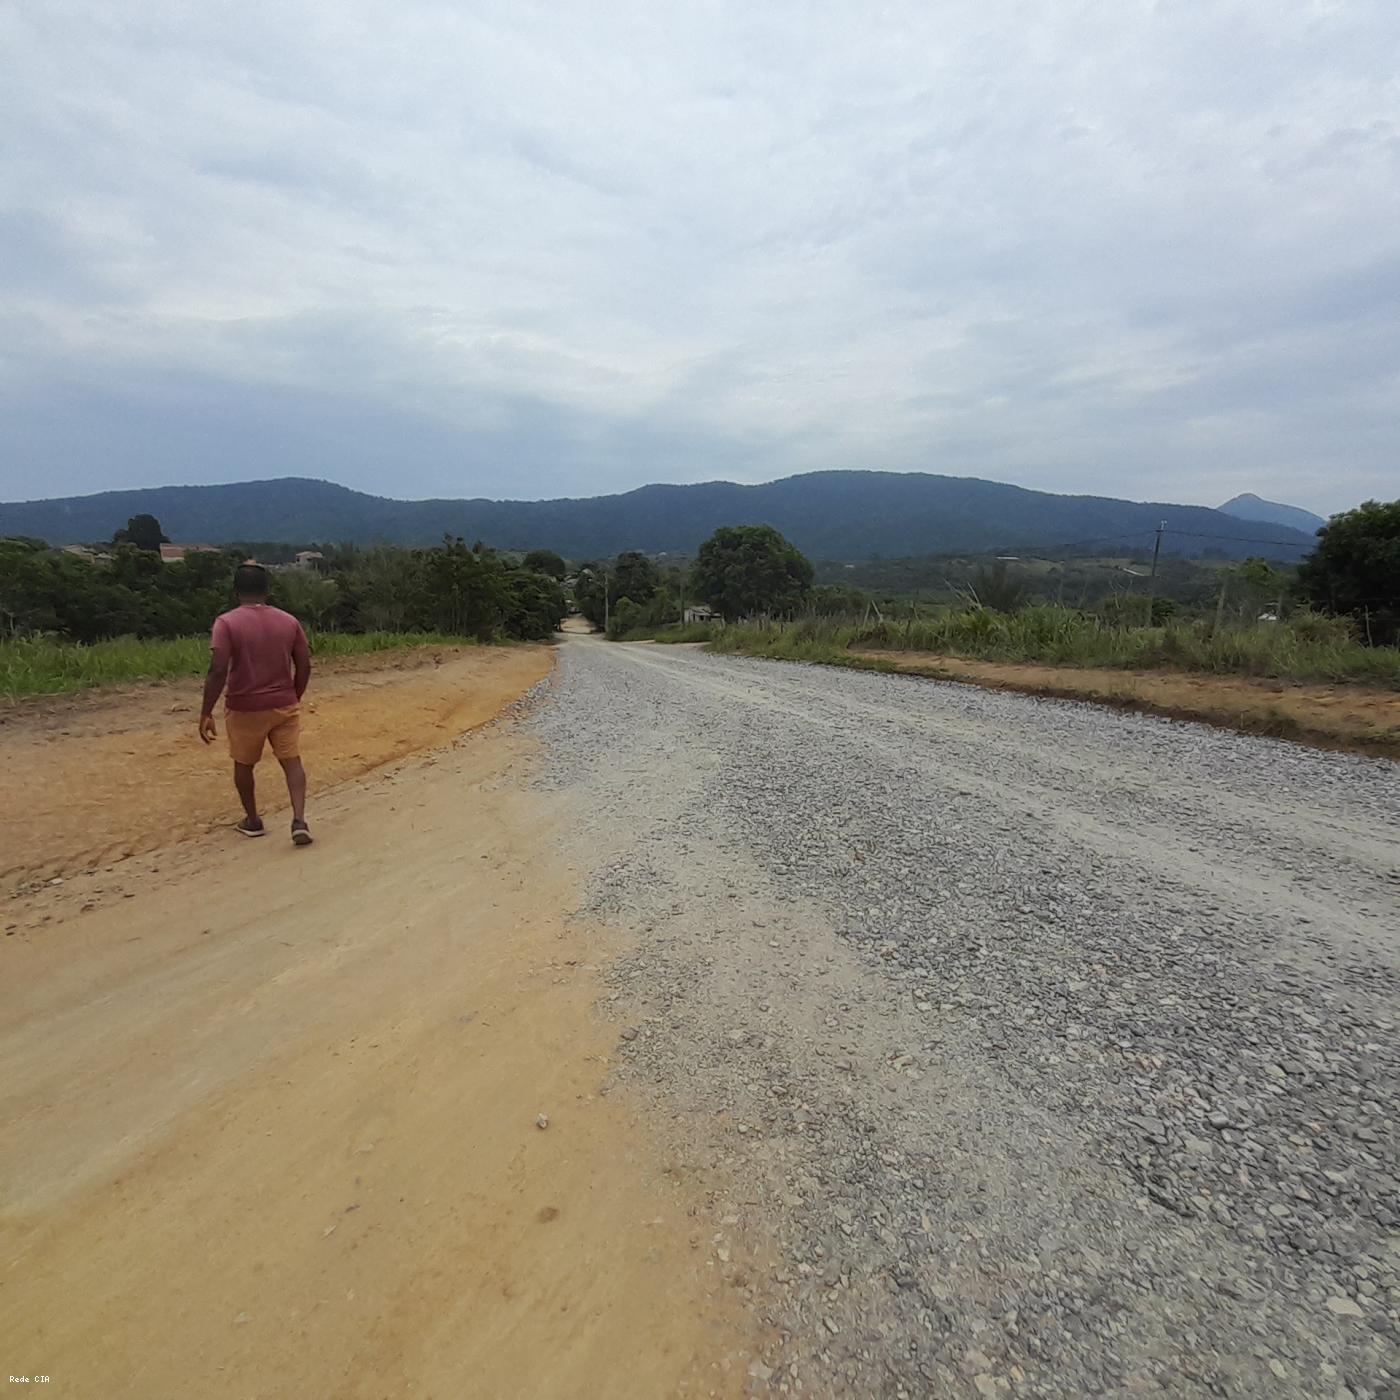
<point>1134,248</point>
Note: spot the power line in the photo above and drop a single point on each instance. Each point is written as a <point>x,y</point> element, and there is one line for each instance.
<point>1096,539</point>
<point>1239,539</point>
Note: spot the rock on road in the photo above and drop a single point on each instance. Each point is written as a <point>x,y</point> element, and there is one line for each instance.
<point>1053,1047</point>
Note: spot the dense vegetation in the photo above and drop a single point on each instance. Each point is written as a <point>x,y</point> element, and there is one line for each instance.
<point>741,570</point>
<point>135,595</point>
<point>1307,646</point>
<point>1355,570</point>
<point>1085,579</point>
<point>452,589</point>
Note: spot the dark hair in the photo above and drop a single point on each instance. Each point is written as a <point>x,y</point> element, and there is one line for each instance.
<point>250,581</point>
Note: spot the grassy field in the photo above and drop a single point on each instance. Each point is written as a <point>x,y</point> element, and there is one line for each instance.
<point>1306,647</point>
<point>44,666</point>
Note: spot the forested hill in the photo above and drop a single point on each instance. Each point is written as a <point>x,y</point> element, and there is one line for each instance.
<point>838,515</point>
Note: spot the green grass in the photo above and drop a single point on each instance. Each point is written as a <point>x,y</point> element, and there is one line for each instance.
<point>47,666</point>
<point>1306,647</point>
<point>674,632</point>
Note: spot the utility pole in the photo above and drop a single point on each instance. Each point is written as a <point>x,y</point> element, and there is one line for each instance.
<point>1152,577</point>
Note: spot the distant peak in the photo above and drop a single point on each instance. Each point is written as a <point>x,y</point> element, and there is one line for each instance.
<point>1248,506</point>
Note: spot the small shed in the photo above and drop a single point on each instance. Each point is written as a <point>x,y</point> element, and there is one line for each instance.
<point>700,614</point>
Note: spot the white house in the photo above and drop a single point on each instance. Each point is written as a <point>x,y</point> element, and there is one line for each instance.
<point>701,614</point>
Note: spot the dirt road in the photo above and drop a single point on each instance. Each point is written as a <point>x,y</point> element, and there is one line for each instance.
<point>271,1116</point>
<point>894,1038</point>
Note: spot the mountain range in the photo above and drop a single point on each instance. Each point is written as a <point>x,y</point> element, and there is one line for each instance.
<point>834,516</point>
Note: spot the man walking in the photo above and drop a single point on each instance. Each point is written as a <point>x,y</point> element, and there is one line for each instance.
<point>260,652</point>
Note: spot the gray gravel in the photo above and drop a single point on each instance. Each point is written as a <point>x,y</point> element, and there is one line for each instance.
<point>1052,1048</point>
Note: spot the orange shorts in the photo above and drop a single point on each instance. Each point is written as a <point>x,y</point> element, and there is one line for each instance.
<point>248,730</point>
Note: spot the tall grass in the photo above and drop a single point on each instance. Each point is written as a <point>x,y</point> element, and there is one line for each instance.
<point>1305,647</point>
<point>48,666</point>
<point>675,632</point>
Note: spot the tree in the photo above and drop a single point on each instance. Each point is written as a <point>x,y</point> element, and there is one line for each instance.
<point>592,587</point>
<point>1355,570</point>
<point>536,606</point>
<point>307,596</point>
<point>745,569</point>
<point>635,577</point>
<point>625,615</point>
<point>545,561</point>
<point>144,532</point>
<point>384,590</point>
<point>467,590</point>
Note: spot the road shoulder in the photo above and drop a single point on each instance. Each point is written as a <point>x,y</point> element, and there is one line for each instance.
<point>340,1120</point>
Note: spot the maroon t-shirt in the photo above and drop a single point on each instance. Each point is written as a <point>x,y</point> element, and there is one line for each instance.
<point>261,642</point>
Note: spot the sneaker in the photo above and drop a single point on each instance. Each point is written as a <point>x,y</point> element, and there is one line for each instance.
<point>251,826</point>
<point>301,834</point>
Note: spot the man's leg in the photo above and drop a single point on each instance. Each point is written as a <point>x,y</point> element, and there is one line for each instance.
<point>296,786</point>
<point>285,738</point>
<point>243,781</point>
<point>245,746</point>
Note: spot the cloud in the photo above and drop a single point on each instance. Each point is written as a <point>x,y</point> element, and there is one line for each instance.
<point>505,248</point>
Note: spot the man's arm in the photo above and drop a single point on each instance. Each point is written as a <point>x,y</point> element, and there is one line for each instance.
<point>214,683</point>
<point>301,664</point>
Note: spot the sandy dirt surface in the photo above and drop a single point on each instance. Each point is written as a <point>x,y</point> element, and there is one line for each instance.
<point>1359,718</point>
<point>271,1114</point>
<point>93,777</point>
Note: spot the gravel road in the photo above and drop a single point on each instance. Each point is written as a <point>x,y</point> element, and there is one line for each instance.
<point>1052,1049</point>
